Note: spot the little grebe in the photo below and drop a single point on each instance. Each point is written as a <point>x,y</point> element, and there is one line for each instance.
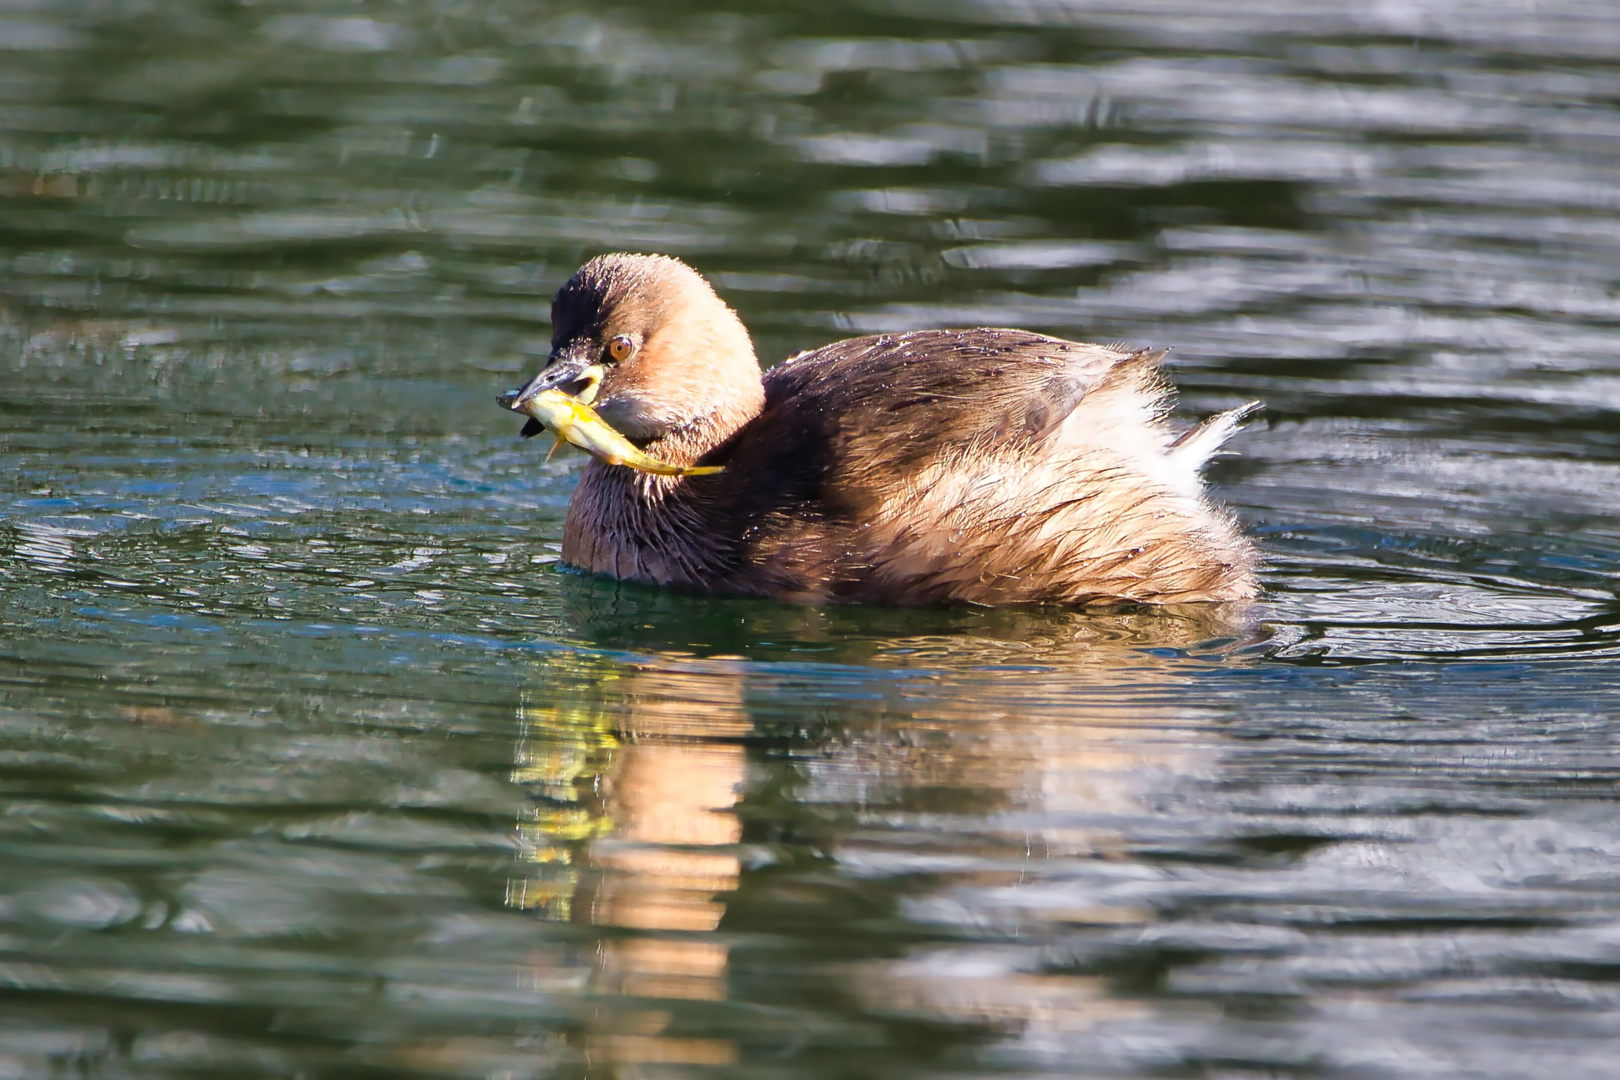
<point>983,466</point>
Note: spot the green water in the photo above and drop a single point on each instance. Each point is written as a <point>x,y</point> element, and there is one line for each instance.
<point>314,762</point>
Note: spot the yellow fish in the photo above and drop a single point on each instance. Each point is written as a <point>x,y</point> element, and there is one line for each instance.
<point>571,420</point>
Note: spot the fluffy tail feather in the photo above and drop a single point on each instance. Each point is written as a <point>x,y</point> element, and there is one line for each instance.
<point>1196,446</point>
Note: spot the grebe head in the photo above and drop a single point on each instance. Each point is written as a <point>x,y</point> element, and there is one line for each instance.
<point>646,342</point>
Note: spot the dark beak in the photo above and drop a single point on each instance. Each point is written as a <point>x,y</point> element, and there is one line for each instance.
<point>573,371</point>
<point>569,372</point>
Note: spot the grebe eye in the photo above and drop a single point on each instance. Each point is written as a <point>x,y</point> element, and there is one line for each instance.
<point>621,347</point>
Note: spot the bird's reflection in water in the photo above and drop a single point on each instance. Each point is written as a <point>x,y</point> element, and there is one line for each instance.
<point>639,772</point>
<point>1024,741</point>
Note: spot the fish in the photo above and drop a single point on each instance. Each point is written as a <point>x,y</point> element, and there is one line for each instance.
<point>573,421</point>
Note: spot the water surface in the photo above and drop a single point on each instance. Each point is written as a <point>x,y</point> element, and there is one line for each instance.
<point>315,762</point>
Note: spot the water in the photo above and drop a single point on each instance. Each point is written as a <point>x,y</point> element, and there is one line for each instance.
<point>315,763</point>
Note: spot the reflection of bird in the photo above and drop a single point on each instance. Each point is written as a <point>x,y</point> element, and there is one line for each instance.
<point>668,792</point>
<point>636,772</point>
<point>987,466</point>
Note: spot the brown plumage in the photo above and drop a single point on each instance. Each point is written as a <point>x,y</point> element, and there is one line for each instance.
<point>980,466</point>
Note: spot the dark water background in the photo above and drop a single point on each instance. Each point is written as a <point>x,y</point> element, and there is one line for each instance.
<point>313,763</point>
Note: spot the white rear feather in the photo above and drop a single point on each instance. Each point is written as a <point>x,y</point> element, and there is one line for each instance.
<point>1193,449</point>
